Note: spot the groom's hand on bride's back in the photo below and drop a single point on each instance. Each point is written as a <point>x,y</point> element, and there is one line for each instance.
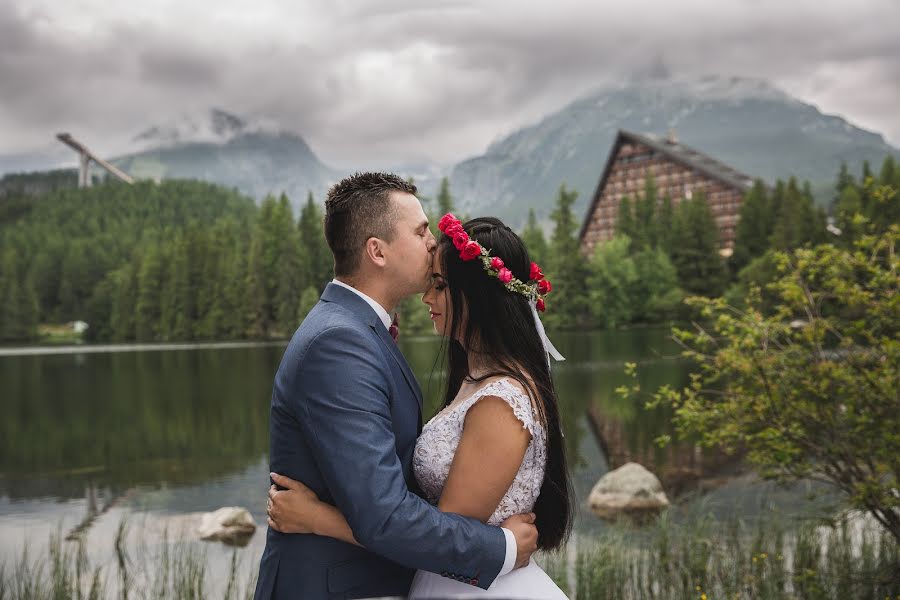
<point>522,527</point>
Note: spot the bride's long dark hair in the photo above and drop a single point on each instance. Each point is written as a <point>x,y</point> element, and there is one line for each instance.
<point>500,324</point>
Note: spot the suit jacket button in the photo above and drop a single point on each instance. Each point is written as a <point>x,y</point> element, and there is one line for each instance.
<point>475,581</point>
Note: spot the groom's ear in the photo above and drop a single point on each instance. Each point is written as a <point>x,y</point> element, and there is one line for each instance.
<point>374,251</point>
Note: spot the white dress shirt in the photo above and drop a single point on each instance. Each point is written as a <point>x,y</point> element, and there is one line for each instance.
<point>511,547</point>
<point>379,309</point>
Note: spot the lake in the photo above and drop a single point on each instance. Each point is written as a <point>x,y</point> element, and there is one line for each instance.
<point>92,436</point>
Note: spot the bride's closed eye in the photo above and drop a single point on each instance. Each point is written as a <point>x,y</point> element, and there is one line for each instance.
<point>438,282</point>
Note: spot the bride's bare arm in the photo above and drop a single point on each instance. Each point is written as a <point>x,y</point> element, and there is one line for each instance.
<point>489,455</point>
<point>298,510</point>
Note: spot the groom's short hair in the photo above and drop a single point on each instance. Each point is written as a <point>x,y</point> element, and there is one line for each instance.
<point>357,208</point>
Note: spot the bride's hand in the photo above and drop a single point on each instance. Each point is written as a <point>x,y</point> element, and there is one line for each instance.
<point>292,510</point>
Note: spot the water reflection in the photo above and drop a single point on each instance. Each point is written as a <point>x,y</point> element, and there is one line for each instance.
<point>122,419</point>
<point>133,428</point>
<point>624,428</point>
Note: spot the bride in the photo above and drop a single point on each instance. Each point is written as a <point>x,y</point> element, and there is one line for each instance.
<point>496,448</point>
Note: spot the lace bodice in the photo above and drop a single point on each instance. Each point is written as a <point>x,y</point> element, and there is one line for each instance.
<point>440,437</point>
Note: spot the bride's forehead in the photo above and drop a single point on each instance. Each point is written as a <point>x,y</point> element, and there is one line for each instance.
<point>437,265</point>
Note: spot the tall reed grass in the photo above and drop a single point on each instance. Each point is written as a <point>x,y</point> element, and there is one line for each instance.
<point>699,559</point>
<point>176,569</point>
<point>705,559</point>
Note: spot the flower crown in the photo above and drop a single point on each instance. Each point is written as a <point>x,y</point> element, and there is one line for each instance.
<point>469,249</point>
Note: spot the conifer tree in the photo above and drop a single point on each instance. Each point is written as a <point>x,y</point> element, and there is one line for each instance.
<point>205,285</point>
<point>46,273</point>
<point>19,310</point>
<point>886,211</point>
<point>644,211</point>
<point>75,281</point>
<point>695,249</point>
<point>122,318</point>
<point>664,220</point>
<point>262,271</point>
<point>234,307</point>
<point>888,171</point>
<point>290,271</point>
<point>183,285</point>
<point>865,186</point>
<point>798,221</point>
<point>754,227</point>
<point>98,311</point>
<point>625,221</point>
<point>444,199</point>
<point>847,206</point>
<point>319,261</point>
<point>844,180</point>
<point>533,238</point>
<point>149,296</point>
<point>567,268</point>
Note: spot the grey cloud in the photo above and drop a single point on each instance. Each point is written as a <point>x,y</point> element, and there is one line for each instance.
<point>179,67</point>
<point>460,72</point>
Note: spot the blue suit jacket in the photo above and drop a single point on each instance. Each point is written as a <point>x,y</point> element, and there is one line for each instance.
<point>346,411</point>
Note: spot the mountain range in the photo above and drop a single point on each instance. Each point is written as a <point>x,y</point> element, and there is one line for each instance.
<point>748,124</point>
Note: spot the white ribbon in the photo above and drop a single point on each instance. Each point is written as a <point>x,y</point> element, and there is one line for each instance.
<point>548,345</point>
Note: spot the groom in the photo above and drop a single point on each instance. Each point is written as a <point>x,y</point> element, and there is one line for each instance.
<point>346,411</point>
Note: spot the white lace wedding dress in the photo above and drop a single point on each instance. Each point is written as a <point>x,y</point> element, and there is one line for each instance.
<point>431,463</point>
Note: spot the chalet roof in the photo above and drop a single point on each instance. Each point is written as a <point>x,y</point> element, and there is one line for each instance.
<point>677,152</point>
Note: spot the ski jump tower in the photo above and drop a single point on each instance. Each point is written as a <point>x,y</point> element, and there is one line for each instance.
<point>85,157</point>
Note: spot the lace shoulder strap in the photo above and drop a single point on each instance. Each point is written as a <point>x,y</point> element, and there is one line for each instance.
<point>513,395</point>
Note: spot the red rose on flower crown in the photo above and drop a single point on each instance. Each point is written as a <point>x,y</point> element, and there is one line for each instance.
<point>446,221</point>
<point>460,239</point>
<point>537,286</point>
<point>470,251</point>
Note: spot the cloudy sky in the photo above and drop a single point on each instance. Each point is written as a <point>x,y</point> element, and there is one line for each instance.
<point>404,80</point>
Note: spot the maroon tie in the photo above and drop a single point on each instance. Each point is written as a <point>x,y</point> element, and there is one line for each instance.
<point>394,329</point>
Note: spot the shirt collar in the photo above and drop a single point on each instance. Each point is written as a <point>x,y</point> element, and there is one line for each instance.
<point>379,310</point>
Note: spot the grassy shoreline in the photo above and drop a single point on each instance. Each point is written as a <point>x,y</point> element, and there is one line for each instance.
<point>707,559</point>
<point>702,559</point>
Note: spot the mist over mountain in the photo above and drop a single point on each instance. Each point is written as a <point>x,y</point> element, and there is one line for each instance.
<point>256,158</point>
<point>216,127</point>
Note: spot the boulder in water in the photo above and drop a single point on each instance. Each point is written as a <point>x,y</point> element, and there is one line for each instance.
<point>232,525</point>
<point>629,490</point>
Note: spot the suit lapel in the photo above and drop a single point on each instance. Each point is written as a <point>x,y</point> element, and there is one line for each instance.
<point>394,351</point>
<point>355,304</point>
